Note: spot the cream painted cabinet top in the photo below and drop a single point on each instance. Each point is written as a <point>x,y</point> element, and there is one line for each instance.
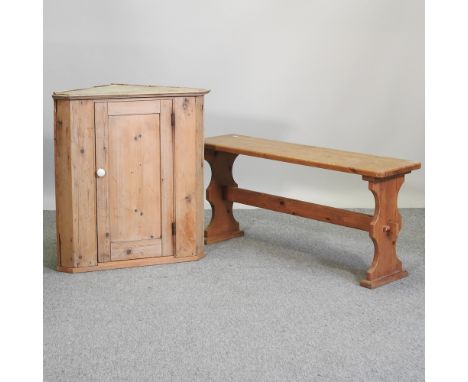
<point>126,91</point>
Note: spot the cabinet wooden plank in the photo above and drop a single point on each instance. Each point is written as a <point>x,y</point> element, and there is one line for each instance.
<point>102,144</point>
<point>199,186</point>
<point>167,178</point>
<point>185,176</point>
<point>133,107</point>
<point>63,185</point>
<point>56,149</point>
<point>84,181</point>
<point>140,249</point>
<point>75,183</point>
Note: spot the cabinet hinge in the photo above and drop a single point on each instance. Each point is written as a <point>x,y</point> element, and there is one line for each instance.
<point>173,226</point>
<point>172,119</point>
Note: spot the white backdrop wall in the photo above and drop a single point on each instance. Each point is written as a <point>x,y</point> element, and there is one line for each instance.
<point>347,74</point>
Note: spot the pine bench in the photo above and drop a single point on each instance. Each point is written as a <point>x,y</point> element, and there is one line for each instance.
<point>385,176</point>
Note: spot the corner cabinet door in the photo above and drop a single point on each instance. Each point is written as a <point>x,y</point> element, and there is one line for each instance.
<point>134,170</point>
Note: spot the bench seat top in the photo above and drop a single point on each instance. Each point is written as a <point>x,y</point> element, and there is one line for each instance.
<point>331,159</point>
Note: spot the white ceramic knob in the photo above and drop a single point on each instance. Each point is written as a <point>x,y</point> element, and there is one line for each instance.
<point>100,172</point>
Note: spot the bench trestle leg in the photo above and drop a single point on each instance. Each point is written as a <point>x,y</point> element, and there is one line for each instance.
<point>222,226</point>
<point>384,228</point>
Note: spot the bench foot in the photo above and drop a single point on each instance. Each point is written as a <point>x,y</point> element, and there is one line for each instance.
<point>384,228</point>
<point>211,239</point>
<point>371,284</point>
<point>223,225</point>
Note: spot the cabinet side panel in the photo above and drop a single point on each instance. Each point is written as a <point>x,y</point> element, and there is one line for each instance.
<point>185,170</point>
<point>199,186</point>
<point>167,178</point>
<point>63,185</point>
<point>83,182</point>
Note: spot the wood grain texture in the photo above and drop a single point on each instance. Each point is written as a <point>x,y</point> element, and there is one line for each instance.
<point>134,161</point>
<point>299,208</point>
<point>384,229</point>
<point>186,203</point>
<point>127,91</point>
<point>331,159</point>
<point>134,107</point>
<point>75,183</point>
<point>57,148</point>
<point>167,179</point>
<point>130,263</point>
<point>84,181</point>
<point>128,215</point>
<point>102,185</point>
<point>63,185</point>
<point>129,149</point>
<point>199,163</point>
<point>140,249</point>
<point>383,226</point>
<point>223,225</point>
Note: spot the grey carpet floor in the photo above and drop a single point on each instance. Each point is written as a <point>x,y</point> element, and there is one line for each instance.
<point>281,304</point>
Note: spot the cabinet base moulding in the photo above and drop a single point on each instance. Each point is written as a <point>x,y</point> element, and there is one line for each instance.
<point>131,263</point>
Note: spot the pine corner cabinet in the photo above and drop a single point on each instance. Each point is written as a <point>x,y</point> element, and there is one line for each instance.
<point>128,176</point>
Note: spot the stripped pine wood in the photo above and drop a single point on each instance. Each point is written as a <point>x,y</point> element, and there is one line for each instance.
<point>331,159</point>
<point>384,229</point>
<point>385,183</point>
<point>63,185</point>
<point>116,167</point>
<point>56,174</point>
<point>131,263</point>
<point>102,185</point>
<point>129,250</point>
<point>223,225</point>
<point>127,91</point>
<point>167,179</point>
<point>134,177</point>
<point>185,176</point>
<point>84,182</point>
<point>75,184</point>
<point>131,206</point>
<point>134,107</point>
<point>308,210</point>
<point>199,162</point>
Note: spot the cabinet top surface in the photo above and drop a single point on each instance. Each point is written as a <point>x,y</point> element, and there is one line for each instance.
<point>127,91</point>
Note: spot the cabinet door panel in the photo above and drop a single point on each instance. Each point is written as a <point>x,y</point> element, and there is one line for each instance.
<point>130,217</point>
<point>134,107</point>
<point>129,250</point>
<point>134,177</point>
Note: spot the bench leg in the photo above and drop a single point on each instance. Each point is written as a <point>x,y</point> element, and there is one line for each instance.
<point>384,228</point>
<point>222,226</point>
